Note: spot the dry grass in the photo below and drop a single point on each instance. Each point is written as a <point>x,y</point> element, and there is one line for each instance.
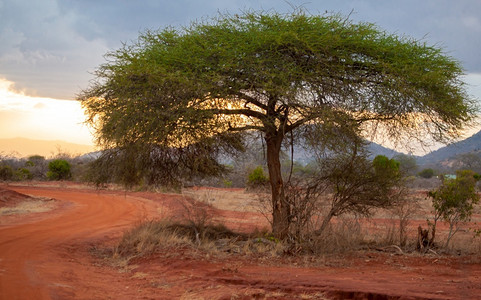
<point>150,237</point>
<point>146,238</point>
<point>196,229</point>
<point>26,207</point>
<point>226,199</point>
<point>343,235</point>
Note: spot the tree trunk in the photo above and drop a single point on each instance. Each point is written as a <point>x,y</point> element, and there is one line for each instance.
<point>325,222</point>
<point>433,233</point>
<point>280,207</point>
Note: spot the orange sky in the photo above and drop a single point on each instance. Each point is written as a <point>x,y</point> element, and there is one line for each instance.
<point>41,118</point>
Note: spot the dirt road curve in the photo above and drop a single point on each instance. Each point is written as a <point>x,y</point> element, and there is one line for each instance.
<point>29,253</point>
<point>47,256</point>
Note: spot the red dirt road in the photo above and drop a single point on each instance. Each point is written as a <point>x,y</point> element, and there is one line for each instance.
<point>33,255</point>
<point>47,256</point>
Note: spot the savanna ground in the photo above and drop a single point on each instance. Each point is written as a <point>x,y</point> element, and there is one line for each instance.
<point>61,241</point>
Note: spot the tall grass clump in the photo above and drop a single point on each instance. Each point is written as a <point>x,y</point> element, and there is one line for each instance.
<point>146,238</point>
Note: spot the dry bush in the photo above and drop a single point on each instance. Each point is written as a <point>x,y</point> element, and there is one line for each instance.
<point>146,238</point>
<point>403,211</point>
<point>307,209</point>
<point>465,242</point>
<point>265,206</point>
<point>420,183</point>
<point>150,236</point>
<point>198,213</point>
<point>341,236</point>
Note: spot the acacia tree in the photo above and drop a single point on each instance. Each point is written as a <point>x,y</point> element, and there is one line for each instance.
<point>274,74</point>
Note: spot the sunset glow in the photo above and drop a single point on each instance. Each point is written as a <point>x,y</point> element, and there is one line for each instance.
<point>41,118</point>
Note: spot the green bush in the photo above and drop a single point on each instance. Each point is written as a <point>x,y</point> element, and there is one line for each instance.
<point>58,169</point>
<point>6,173</point>
<point>227,183</point>
<point>23,174</point>
<point>454,201</point>
<point>257,177</point>
<point>384,165</point>
<point>426,173</point>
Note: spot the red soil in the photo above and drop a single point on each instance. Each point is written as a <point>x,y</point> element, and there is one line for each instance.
<point>51,258</point>
<point>10,198</point>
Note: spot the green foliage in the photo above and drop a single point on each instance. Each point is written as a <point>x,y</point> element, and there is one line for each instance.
<point>37,166</point>
<point>454,200</point>
<point>350,182</point>
<point>257,177</point>
<point>384,166</point>
<point>59,169</point>
<point>407,164</point>
<point>156,165</point>
<point>227,183</point>
<point>167,87</point>
<point>36,159</point>
<point>6,173</point>
<point>426,173</point>
<point>23,174</point>
<point>361,185</point>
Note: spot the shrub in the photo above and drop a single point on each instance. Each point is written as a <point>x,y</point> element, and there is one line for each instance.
<point>454,201</point>
<point>257,177</point>
<point>227,183</point>
<point>59,169</point>
<point>426,173</point>
<point>6,173</point>
<point>37,165</point>
<point>146,238</point>
<point>23,174</point>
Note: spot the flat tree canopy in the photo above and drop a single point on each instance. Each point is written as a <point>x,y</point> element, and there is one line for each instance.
<point>203,86</point>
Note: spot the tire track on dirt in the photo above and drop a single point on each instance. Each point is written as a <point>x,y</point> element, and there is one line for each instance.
<point>31,262</point>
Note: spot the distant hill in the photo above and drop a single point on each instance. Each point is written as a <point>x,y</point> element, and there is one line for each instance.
<point>471,144</point>
<point>23,147</point>
<point>376,149</point>
<point>304,157</point>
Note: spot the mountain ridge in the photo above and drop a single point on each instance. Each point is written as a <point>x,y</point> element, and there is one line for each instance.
<point>23,147</point>
<point>468,145</point>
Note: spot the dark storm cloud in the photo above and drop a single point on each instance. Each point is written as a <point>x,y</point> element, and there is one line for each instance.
<point>48,47</point>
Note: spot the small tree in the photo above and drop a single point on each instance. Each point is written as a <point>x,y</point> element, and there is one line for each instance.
<point>6,173</point>
<point>403,209</point>
<point>453,201</point>
<point>59,169</point>
<point>23,174</point>
<point>257,177</point>
<point>426,173</point>
<point>358,185</point>
<point>407,164</point>
<point>37,165</point>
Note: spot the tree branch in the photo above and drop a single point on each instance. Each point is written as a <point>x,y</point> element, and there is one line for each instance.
<point>251,100</point>
<point>245,112</point>
<point>247,127</point>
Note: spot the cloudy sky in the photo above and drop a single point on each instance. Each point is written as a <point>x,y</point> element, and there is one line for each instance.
<point>48,48</point>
